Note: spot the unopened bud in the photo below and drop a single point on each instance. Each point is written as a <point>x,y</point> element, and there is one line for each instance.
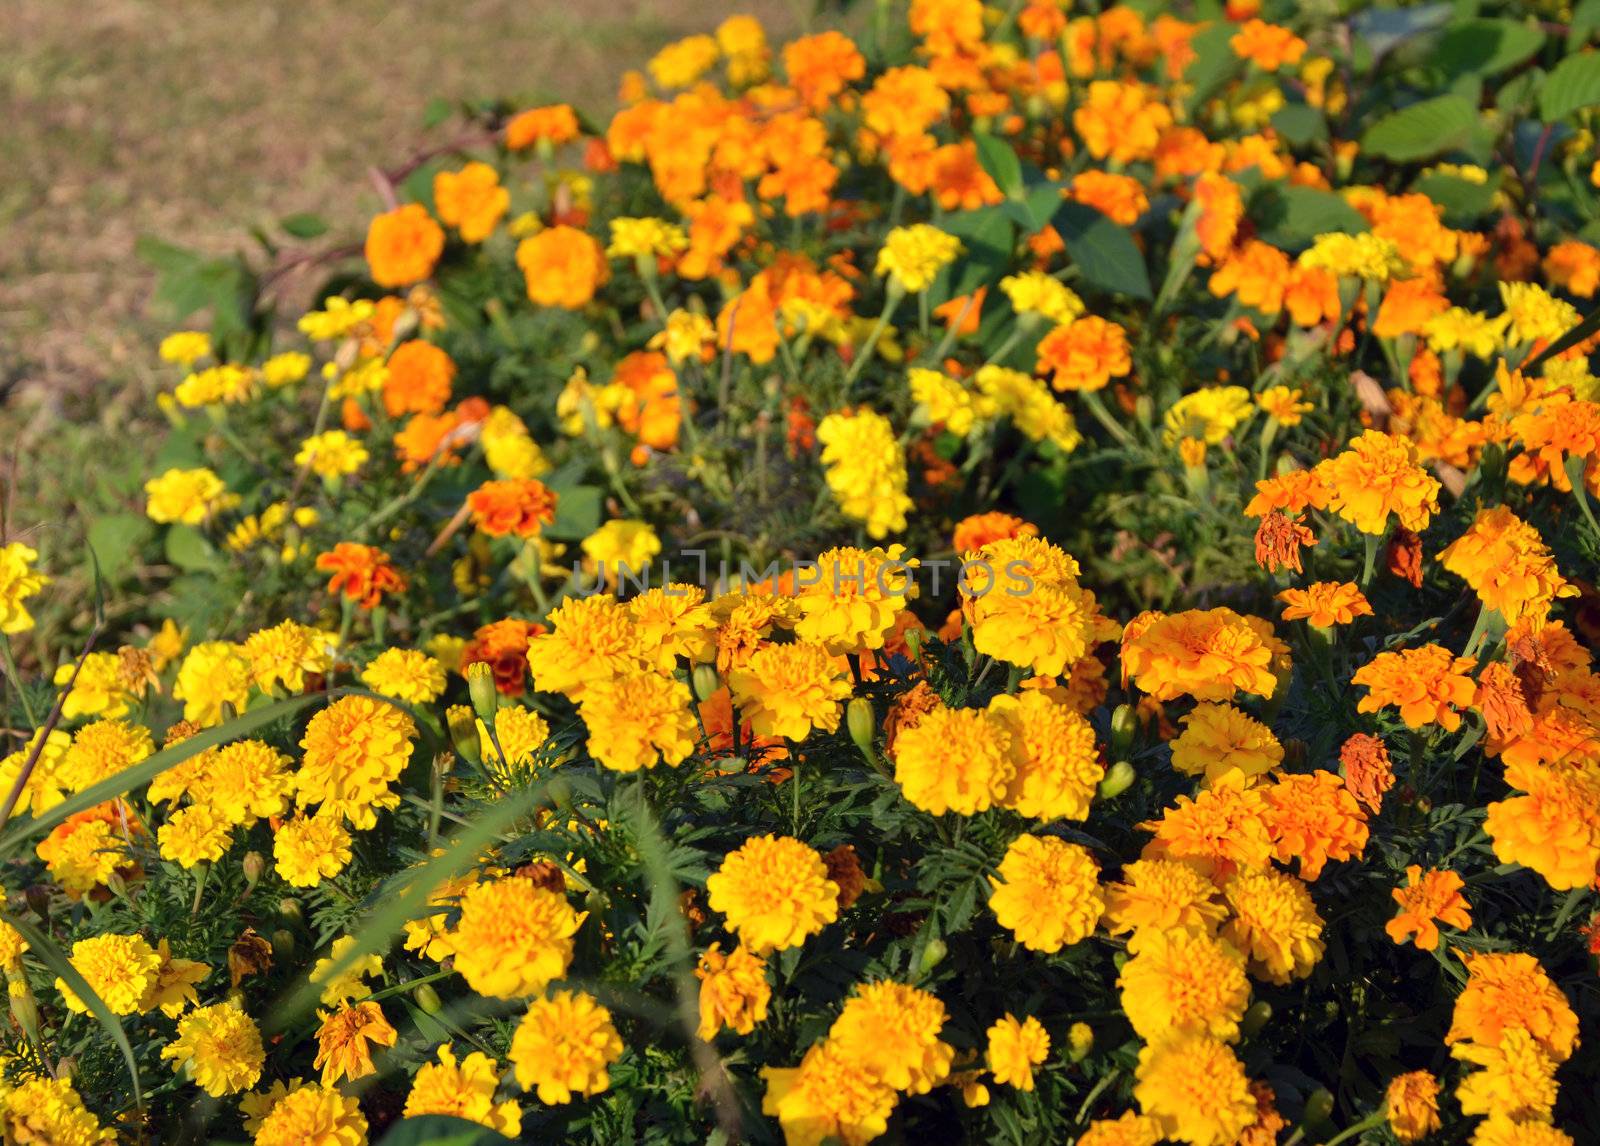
<point>1119,778</point>
<point>464,733</point>
<point>559,789</point>
<point>914,645</point>
<point>706,682</point>
<point>254,864</point>
<point>38,897</point>
<point>289,910</point>
<point>24,1008</point>
<point>283,943</point>
<point>863,725</point>
<point>1256,1018</point>
<point>1124,727</point>
<point>480,686</point>
<point>1319,1105</point>
<point>933,954</point>
<point>66,1068</point>
<point>1080,1041</point>
<point>428,999</point>
<point>228,711</point>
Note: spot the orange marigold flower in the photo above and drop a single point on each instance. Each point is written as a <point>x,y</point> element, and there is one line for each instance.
<point>555,124</point>
<point>1120,198</point>
<point>520,506</point>
<point>1221,206</point>
<point>1257,274</point>
<point>1509,991</point>
<point>1290,493</point>
<point>1378,476</point>
<point>418,380</point>
<point>1368,773</point>
<point>1575,266</point>
<point>1555,828</point>
<point>958,180</point>
<point>1085,354</point>
<point>1553,434</point>
<point>1427,900</point>
<point>1313,817</point>
<point>403,245</point>
<point>820,66</point>
<point>1505,709</point>
<point>1508,565</point>
<point>470,200</point>
<point>1220,832</point>
<point>563,267</point>
<point>1404,556</point>
<point>1209,654</point>
<point>1407,306</point>
<point>360,572</point>
<point>1412,1105</point>
<point>1268,46</point>
<point>1429,685</point>
<point>1311,296</point>
<point>1325,603</point>
<point>1122,122</point>
<point>973,533</point>
<point>503,646</point>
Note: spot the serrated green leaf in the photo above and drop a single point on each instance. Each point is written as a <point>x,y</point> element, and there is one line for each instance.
<point>1103,252</point>
<point>1574,84</point>
<point>1462,199</point>
<point>187,548</point>
<point>1421,130</point>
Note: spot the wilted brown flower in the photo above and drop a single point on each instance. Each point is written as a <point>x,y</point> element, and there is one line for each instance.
<point>912,705</point>
<point>545,874</point>
<point>1405,556</point>
<point>1278,541</point>
<point>844,868</point>
<point>249,955</point>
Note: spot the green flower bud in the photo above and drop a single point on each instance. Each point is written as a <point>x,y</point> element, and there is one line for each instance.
<point>1319,1105</point>
<point>464,733</point>
<point>480,686</point>
<point>283,943</point>
<point>428,999</point>
<point>933,954</point>
<point>1256,1018</point>
<point>862,723</point>
<point>706,682</point>
<point>1124,728</point>
<point>254,864</point>
<point>1119,778</point>
<point>289,910</point>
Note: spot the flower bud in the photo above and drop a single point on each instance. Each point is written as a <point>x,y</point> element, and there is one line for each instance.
<point>1256,1018</point>
<point>559,789</point>
<point>862,723</point>
<point>1124,727</point>
<point>706,682</point>
<point>914,645</point>
<point>464,733</point>
<point>289,910</point>
<point>480,686</point>
<point>428,999</point>
<point>1119,778</point>
<point>228,711</point>
<point>254,864</point>
<point>1319,1105</point>
<point>24,1008</point>
<point>283,943</point>
<point>1080,1041</point>
<point>933,954</point>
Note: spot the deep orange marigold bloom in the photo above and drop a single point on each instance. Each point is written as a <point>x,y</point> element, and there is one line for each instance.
<point>1555,828</point>
<point>1378,476</point>
<point>1512,992</point>
<point>1311,296</point>
<point>1313,816</point>
<point>1575,266</point>
<point>1209,654</point>
<point>1404,556</point>
<point>1278,541</point>
<point>1427,900</point>
<point>1221,207</point>
<point>973,533</point>
<point>1429,685</point>
<point>555,124</point>
<point>1121,121</point>
<point>419,379</point>
<point>1085,354</point>
<point>563,267</point>
<point>1268,46</point>
<point>1120,198</point>
<point>470,200</point>
<point>503,646</point>
<point>1325,603</point>
<point>959,181</point>
<point>1407,306</point>
<point>520,506</point>
<point>1508,565</point>
<point>820,66</point>
<point>1368,774</point>
<point>1500,699</point>
<point>1551,435</point>
<point>1221,831</point>
<point>360,572</point>
<point>403,245</point>
<point>1290,492</point>
<point>1257,274</point>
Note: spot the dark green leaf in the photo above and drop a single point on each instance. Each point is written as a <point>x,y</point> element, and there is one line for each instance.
<point>997,158</point>
<point>304,225</point>
<point>440,1130</point>
<point>1104,252</point>
<point>1574,84</point>
<point>1300,124</point>
<point>1290,216</point>
<point>1214,64</point>
<point>1462,199</point>
<point>1486,46</point>
<point>578,512</point>
<point>986,242</point>
<point>187,548</point>
<point>1421,130</point>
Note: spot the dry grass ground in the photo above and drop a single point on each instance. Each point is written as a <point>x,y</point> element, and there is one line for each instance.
<point>192,120</point>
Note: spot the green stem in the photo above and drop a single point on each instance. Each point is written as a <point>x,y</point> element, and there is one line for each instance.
<point>1370,560</point>
<point>1092,402</point>
<point>889,303</point>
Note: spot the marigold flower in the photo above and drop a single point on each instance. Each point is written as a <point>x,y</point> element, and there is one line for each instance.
<point>1035,292</point>
<point>1368,773</point>
<point>1047,893</point>
<point>563,1046</point>
<point>1120,121</point>
<point>1519,1132</point>
<point>866,469</point>
<point>1120,198</point>
<point>1516,1079</point>
<point>1274,922</point>
<point>1313,817</point>
<point>121,969</point>
<point>892,1030</point>
<point>1022,598</point>
<point>343,1039</point>
<point>1015,1048</point>
<point>18,582</point>
<point>1030,405</point>
<point>1411,1105</point>
<point>1058,764</point>
<point>1129,1130</point>
<point>1184,982</point>
<point>361,573</point>
<point>1553,829</point>
<point>855,599</point>
<point>85,850</point>
<point>185,497</point>
<point>1427,900</point>
<point>513,938</point>
<point>734,991</point>
<point>1325,603</point>
<point>1209,654</point>
<point>828,1096</point>
<point>638,721</point>
<point>620,550</point>
<point>471,200</point>
<point>49,1110</point>
<point>213,674</point>
<point>408,675</point>
<point>1268,46</point>
<point>196,834</point>
<point>913,256</point>
<point>1225,746</point>
<point>1085,354</point>
<point>220,1048</point>
<point>563,267</point>
<point>1508,565</point>
<point>775,892</point>
<point>1159,897</point>
<point>1502,703</point>
<point>403,245</point>
<point>463,1089</point>
<point>286,654</point>
<point>1195,1087</point>
<point>956,760</point>
<point>1290,492</point>
<point>312,1113</point>
<point>1221,831</point>
<point>1376,477</point>
<point>520,507</point>
<point>418,379</point>
<point>555,124</point>
<point>1429,685</point>
<point>354,750</point>
<point>1278,541</point>
<point>1510,991</point>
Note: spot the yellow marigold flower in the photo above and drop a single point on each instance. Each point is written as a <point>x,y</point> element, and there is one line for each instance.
<point>787,690</point>
<point>518,732</point>
<point>354,750</point>
<point>83,853</point>
<point>1553,829</point>
<point>1085,354</point>
<point>285,369</point>
<point>194,835</point>
<point>956,760</point>
<point>409,675</point>
<point>1516,1079</point>
<point>1283,404</point>
<point>43,790</point>
<point>1511,991</point>
<point>309,849</point>
<point>1274,923</point>
<point>639,721</point>
<point>213,674</point>
<point>734,991</point>
<point>1207,415</point>
<point>828,1097</point>
<point>1221,831</point>
<point>349,983</point>
<point>563,1046</point>
<point>593,638</point>
<point>1225,746</point>
<point>675,621</point>
<point>942,401</point>
<point>1184,982</point>
<point>244,781</point>
<point>619,550</point>
<point>1196,1088</point>
<point>463,1089</point>
<point>1015,1048</point>
<point>775,892</point>
<point>226,383</point>
<point>682,62</point>
<point>1365,256</point>
<point>688,336</point>
<point>1047,893</point>
<point>174,986</point>
<point>99,751</point>
<point>1519,1132</point>
<point>220,1048</point>
<point>913,256</point>
<point>645,238</point>
<point>1129,1130</point>
<point>338,317</point>
<point>1209,654</point>
<point>121,969</point>
<point>1315,818</point>
<point>49,1110</point>
<point>286,654</point>
<point>1465,330</point>
<point>866,469</point>
<point>331,454</point>
<point>313,1113</point>
<point>1035,292</point>
<point>1022,598</point>
<point>1158,897</point>
<point>1429,685</point>
<point>1030,405</point>
<point>187,497</point>
<point>1411,1104</point>
<point>343,1039</point>
<point>855,599</point>
<point>1325,604</point>
<point>1376,477</point>
<point>18,582</point>
<point>1508,565</point>
<point>1427,900</point>
<point>1535,314</point>
<point>1058,763</point>
<point>508,449</point>
<point>892,1030</point>
<point>185,347</point>
<point>513,937</point>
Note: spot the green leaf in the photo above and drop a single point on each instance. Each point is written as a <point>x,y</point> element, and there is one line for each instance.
<point>1585,19</point>
<point>1214,64</point>
<point>1104,252</point>
<point>304,225</point>
<point>996,157</point>
<point>578,512</point>
<point>1567,341</point>
<point>1486,46</point>
<point>1574,84</point>
<point>436,111</point>
<point>1300,124</point>
<point>116,540</point>
<point>986,240</point>
<point>1290,216</point>
<point>1462,199</point>
<point>48,952</point>
<point>187,548</point>
<point>1034,210</point>
<point>1421,130</point>
<point>440,1130</point>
